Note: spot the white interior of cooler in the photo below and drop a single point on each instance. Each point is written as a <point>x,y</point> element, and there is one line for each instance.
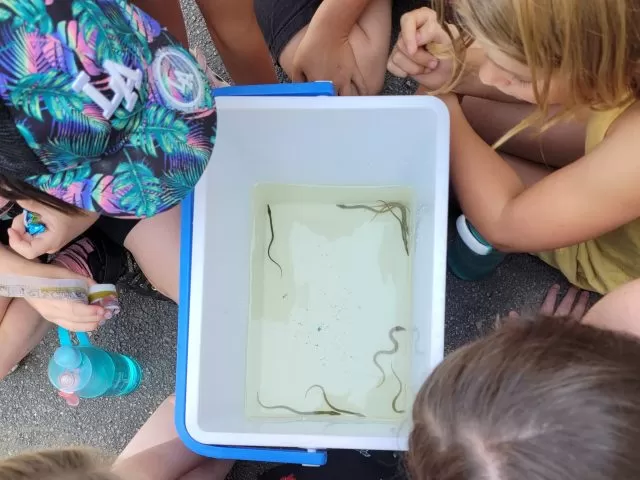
<point>368,141</point>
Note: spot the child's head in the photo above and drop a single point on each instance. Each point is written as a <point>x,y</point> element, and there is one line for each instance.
<point>569,52</point>
<point>545,399</point>
<point>69,464</point>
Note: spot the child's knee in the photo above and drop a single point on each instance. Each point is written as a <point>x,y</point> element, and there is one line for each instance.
<point>374,81</point>
<point>4,306</point>
<point>285,60</point>
<point>371,58</point>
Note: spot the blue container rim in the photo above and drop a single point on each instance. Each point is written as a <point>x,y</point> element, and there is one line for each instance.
<point>258,454</point>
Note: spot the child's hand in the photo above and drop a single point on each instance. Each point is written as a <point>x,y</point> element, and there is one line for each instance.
<point>74,316</point>
<point>323,55</point>
<point>61,229</point>
<point>410,57</point>
<point>568,306</point>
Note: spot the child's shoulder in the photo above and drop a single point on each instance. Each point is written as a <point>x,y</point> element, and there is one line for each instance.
<point>618,126</point>
<point>623,117</point>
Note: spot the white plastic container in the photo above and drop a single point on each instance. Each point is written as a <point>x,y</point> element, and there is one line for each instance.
<point>331,141</point>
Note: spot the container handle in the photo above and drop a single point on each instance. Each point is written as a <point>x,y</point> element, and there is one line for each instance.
<point>64,336</point>
<point>83,339</point>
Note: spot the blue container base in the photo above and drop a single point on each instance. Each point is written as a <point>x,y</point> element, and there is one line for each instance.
<point>275,455</point>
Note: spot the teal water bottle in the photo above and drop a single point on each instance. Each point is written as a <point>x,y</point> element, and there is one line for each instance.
<point>85,371</point>
<point>471,257</point>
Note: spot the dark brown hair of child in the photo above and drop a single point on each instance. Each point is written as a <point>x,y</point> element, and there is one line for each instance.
<point>538,399</point>
<point>67,464</point>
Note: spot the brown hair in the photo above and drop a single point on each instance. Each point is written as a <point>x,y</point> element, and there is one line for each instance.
<point>68,464</point>
<point>15,190</point>
<point>592,45</point>
<point>547,399</point>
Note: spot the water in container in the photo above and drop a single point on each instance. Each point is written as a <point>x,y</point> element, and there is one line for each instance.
<point>330,329</point>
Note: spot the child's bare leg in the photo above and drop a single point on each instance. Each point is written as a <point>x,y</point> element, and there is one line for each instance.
<point>21,329</point>
<point>159,434</point>
<point>529,172</point>
<point>370,40</point>
<point>155,244</point>
<point>557,147</point>
<point>158,429</point>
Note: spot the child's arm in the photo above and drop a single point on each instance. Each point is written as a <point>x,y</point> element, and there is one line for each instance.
<point>237,36</point>
<point>235,32</point>
<point>590,197</point>
<point>70,315</point>
<point>618,311</point>
<point>419,29</point>
<point>325,51</point>
<point>13,264</point>
<point>61,228</point>
<point>469,84</point>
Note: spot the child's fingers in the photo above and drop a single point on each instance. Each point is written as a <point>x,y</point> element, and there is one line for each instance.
<point>549,304</point>
<point>35,246</point>
<point>24,244</point>
<point>82,312</point>
<point>21,244</point>
<point>421,28</point>
<point>431,32</point>
<point>87,317</point>
<point>580,307</point>
<point>400,65</point>
<point>393,69</point>
<point>18,222</point>
<point>77,326</point>
<point>74,316</point>
<point>411,22</point>
<point>358,81</point>
<point>424,58</point>
<point>564,309</point>
<point>421,56</point>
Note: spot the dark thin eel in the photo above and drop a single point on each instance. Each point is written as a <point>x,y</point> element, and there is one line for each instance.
<point>324,394</point>
<point>395,399</point>
<point>272,239</point>
<point>404,225</point>
<point>396,345</point>
<point>293,410</point>
<point>385,207</point>
<point>358,207</point>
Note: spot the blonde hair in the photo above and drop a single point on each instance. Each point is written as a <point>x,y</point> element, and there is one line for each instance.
<point>67,464</point>
<point>592,45</point>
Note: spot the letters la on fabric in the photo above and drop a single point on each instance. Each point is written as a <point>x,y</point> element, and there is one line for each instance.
<point>121,116</point>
